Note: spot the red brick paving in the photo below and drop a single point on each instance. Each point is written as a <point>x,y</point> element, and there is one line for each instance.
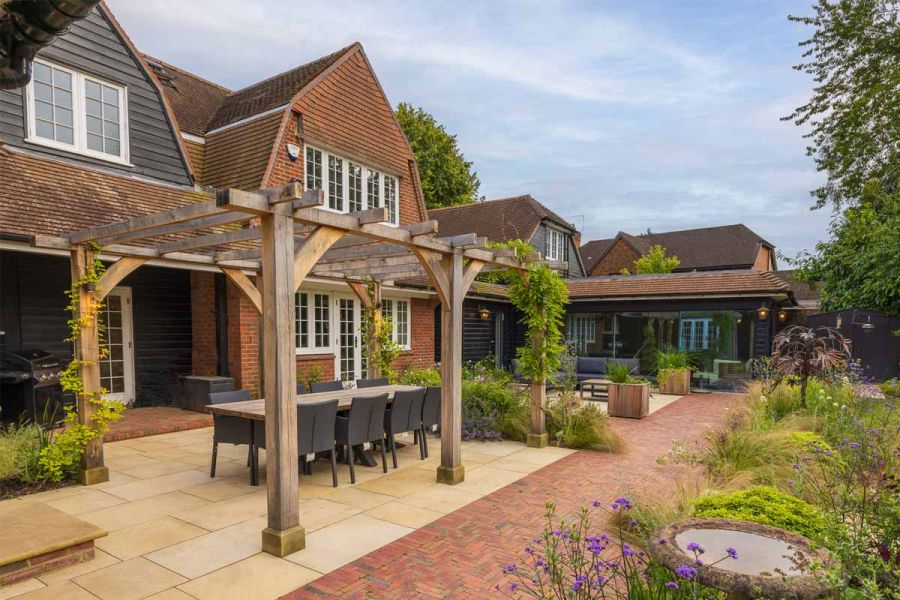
<point>462,554</point>
<point>154,420</point>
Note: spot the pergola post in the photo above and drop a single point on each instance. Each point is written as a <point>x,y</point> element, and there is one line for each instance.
<point>538,436</point>
<point>451,469</point>
<point>371,303</point>
<point>284,534</point>
<point>87,353</point>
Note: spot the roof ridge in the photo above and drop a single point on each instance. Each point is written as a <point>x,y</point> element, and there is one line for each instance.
<point>294,68</point>
<point>481,202</point>
<point>185,72</point>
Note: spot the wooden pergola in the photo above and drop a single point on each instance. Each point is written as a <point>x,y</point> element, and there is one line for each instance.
<point>281,236</point>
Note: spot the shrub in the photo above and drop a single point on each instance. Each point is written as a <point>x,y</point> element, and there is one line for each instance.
<point>18,451</point>
<point>423,377</point>
<point>672,358</point>
<point>572,423</point>
<point>766,505</point>
<point>492,409</point>
<point>746,457</point>
<point>619,372</point>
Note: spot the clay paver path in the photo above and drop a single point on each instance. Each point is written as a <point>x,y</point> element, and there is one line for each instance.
<point>461,555</point>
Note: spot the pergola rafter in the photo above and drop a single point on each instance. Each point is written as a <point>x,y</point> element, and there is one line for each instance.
<point>298,238</point>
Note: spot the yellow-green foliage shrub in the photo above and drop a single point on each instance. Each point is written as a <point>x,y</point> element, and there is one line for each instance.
<point>766,505</point>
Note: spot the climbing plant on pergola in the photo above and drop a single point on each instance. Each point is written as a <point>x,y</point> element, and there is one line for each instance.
<point>267,242</point>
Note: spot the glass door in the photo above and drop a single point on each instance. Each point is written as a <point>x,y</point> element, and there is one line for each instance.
<point>117,367</point>
<point>349,355</point>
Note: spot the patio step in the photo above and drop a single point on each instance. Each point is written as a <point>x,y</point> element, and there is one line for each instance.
<point>38,538</point>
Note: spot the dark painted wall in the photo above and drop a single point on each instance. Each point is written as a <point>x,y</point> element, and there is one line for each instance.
<point>33,315</point>
<point>878,350</point>
<point>479,336</point>
<point>92,47</point>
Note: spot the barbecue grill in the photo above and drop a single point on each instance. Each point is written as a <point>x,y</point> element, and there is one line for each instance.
<point>29,386</point>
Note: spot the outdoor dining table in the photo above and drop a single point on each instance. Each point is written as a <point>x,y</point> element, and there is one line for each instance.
<point>255,411</point>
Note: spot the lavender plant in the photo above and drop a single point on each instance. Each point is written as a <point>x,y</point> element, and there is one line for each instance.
<point>569,562</point>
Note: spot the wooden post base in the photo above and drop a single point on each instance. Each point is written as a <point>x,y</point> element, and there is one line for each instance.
<point>451,475</point>
<point>93,475</point>
<point>537,440</point>
<point>282,543</point>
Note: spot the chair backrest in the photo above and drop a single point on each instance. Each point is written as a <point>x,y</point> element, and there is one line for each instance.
<point>326,386</point>
<point>301,388</point>
<point>226,397</point>
<point>431,407</point>
<point>406,410</point>
<point>366,419</point>
<point>315,426</point>
<point>367,383</point>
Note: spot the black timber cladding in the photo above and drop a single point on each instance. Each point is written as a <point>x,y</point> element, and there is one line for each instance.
<point>539,242</point>
<point>479,336</point>
<point>93,47</point>
<point>33,315</point>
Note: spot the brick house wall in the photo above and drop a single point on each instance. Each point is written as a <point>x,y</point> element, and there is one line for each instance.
<point>203,323</point>
<point>763,260</point>
<point>620,256</point>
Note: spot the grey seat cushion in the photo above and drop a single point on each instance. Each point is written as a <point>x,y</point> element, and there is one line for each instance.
<point>591,365</point>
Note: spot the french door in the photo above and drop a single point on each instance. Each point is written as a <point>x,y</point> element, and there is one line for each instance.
<point>117,367</point>
<point>349,356</point>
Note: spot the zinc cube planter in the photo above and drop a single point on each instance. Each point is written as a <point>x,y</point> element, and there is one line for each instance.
<point>675,381</point>
<point>629,400</point>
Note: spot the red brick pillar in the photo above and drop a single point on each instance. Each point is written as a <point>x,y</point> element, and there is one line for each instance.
<point>243,340</point>
<point>203,323</point>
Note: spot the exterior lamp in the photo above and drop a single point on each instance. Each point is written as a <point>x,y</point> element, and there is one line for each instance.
<point>763,313</point>
<point>782,315</point>
<point>485,314</point>
<point>868,327</point>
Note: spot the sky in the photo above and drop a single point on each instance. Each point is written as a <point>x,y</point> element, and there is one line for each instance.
<point>619,116</point>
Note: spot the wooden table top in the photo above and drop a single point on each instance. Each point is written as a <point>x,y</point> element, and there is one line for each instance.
<point>596,381</point>
<point>256,409</point>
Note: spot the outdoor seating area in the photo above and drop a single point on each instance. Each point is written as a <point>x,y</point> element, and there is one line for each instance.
<point>171,526</point>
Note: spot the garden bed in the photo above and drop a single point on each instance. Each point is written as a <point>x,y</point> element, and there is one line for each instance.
<point>13,487</point>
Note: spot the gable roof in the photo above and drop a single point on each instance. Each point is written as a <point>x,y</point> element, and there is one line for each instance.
<point>592,251</point>
<point>500,220</point>
<point>706,248</point>
<point>705,283</point>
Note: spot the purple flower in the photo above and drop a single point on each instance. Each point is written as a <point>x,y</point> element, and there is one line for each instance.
<point>633,523</point>
<point>695,547</point>
<point>513,586</point>
<point>596,503</point>
<point>579,581</point>
<point>662,541</point>
<point>672,585</point>
<point>854,445</point>
<point>686,572</point>
<point>731,552</point>
<point>622,503</point>
<point>510,569</point>
<point>529,550</point>
<point>627,551</point>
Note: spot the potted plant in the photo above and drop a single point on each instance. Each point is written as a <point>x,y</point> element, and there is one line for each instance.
<point>673,371</point>
<point>629,396</point>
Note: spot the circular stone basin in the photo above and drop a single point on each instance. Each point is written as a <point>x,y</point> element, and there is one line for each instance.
<point>771,563</point>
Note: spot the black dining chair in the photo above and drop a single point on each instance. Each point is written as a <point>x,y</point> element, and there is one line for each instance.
<point>367,383</point>
<point>364,423</point>
<point>233,430</point>
<point>431,416</point>
<point>404,414</point>
<point>315,433</point>
<point>326,386</point>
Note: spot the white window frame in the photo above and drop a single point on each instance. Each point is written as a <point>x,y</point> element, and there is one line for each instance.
<point>556,241</point>
<point>393,214</point>
<point>79,117</point>
<point>390,309</point>
<point>311,347</point>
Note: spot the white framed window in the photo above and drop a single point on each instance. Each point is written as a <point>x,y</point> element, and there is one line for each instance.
<point>697,334</point>
<point>399,314</point>
<point>350,186</point>
<point>312,318</point>
<point>76,112</point>
<point>556,246</point>
<point>581,330</point>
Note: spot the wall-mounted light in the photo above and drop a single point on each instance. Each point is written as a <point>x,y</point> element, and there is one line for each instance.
<point>762,313</point>
<point>782,315</point>
<point>485,314</point>
<point>740,320</point>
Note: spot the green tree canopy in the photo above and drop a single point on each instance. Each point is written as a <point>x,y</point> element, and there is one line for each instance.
<point>447,177</point>
<point>655,261</point>
<point>854,112</point>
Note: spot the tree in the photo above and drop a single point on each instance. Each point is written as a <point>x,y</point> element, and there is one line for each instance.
<point>857,266</point>
<point>854,112</point>
<point>655,261</point>
<point>805,352</point>
<point>447,177</point>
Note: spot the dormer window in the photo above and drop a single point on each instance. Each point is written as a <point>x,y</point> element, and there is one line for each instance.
<point>72,111</point>
<point>350,186</point>
<point>556,245</point>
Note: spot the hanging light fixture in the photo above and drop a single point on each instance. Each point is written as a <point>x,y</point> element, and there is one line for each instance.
<point>485,314</point>
<point>762,312</point>
<point>782,315</point>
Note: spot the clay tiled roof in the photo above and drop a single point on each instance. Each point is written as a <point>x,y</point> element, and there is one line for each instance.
<point>273,92</point>
<point>498,220</point>
<point>194,100</point>
<point>707,248</point>
<point>238,156</point>
<point>802,291</point>
<point>40,195</point>
<point>592,251</point>
<point>704,283</point>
